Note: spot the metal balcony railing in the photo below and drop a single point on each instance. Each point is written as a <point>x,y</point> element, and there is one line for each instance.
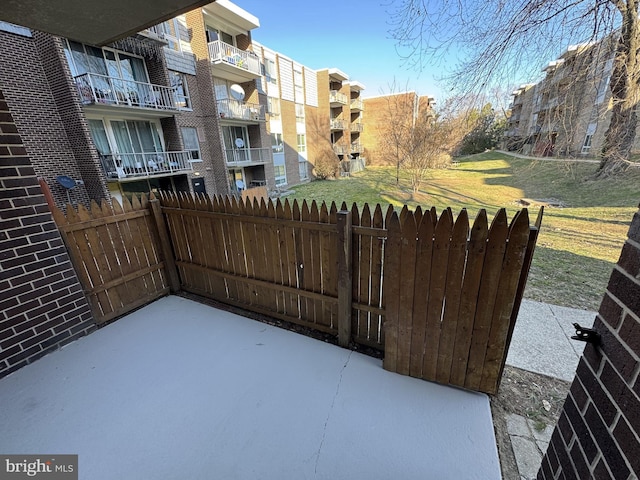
<point>356,127</point>
<point>356,147</point>
<point>221,52</point>
<point>337,97</point>
<point>340,149</point>
<point>128,165</point>
<point>357,104</point>
<point>104,90</point>
<point>337,124</point>
<point>247,156</point>
<point>236,110</point>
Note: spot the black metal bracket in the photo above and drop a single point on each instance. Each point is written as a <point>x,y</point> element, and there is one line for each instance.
<point>585,334</point>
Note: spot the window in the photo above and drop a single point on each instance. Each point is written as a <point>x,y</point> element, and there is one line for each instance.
<point>280,174</point>
<point>299,113</point>
<point>304,171</point>
<point>587,144</point>
<point>179,86</point>
<point>277,144</point>
<point>298,85</point>
<point>171,32</point>
<point>273,106</point>
<point>270,71</point>
<point>191,143</point>
<point>302,143</point>
<point>214,34</point>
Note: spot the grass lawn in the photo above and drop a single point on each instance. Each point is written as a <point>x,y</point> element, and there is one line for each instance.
<point>578,243</point>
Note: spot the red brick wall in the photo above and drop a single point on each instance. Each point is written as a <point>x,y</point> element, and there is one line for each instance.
<point>598,432</point>
<point>34,109</point>
<point>42,305</point>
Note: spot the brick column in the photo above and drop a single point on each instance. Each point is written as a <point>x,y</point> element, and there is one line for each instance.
<point>598,432</point>
<point>42,305</point>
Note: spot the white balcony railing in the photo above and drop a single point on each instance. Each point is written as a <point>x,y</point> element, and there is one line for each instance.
<point>247,156</point>
<point>128,165</point>
<point>340,149</point>
<point>221,52</point>
<point>356,147</point>
<point>337,124</point>
<point>103,90</point>
<point>236,110</point>
<point>357,104</point>
<point>337,97</point>
<point>356,127</point>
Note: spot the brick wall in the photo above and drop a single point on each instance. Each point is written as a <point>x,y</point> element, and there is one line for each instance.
<point>34,109</point>
<point>598,432</point>
<point>205,115</point>
<point>67,102</point>
<point>42,305</point>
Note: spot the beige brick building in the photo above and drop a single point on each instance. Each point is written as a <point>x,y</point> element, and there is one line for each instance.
<point>567,113</point>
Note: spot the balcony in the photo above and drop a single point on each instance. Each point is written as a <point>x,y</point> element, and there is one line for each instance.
<point>337,124</point>
<point>240,111</point>
<point>103,91</point>
<point>340,149</point>
<point>356,147</point>
<point>357,105</point>
<point>232,63</point>
<point>136,165</point>
<point>356,127</point>
<point>238,157</point>
<point>337,99</point>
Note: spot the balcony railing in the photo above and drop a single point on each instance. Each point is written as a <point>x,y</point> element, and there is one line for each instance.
<point>129,165</point>
<point>337,124</point>
<point>103,90</point>
<point>247,156</point>
<point>340,149</point>
<point>356,127</point>
<point>336,97</point>
<point>356,147</point>
<point>357,104</point>
<point>240,60</point>
<point>236,110</point>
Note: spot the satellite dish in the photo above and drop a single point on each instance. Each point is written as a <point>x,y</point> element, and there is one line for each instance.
<point>239,143</point>
<point>237,92</point>
<point>67,182</point>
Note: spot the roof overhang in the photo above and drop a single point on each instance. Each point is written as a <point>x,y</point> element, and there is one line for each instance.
<point>356,86</point>
<point>95,22</point>
<point>232,15</point>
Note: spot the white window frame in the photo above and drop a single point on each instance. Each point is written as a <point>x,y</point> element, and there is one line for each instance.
<point>303,170</point>
<point>178,97</point>
<point>270,70</point>
<point>273,106</point>
<point>277,143</point>
<point>302,142</point>
<point>172,37</point>
<point>280,178</point>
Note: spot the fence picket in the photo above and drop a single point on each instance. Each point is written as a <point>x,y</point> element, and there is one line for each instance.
<point>407,283</point>
<point>510,274</point>
<point>355,268</point>
<point>437,284</point>
<point>364,275</point>
<point>455,271</point>
<point>469,298</point>
<point>375,333</point>
<point>391,291</point>
<point>424,254</point>
<point>496,246</point>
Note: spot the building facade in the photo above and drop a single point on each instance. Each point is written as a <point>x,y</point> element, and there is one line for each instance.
<point>386,114</point>
<point>566,113</point>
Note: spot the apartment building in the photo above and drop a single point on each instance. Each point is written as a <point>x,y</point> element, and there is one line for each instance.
<point>567,112</point>
<point>382,113</point>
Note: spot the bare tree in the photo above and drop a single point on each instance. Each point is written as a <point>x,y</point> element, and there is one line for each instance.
<point>496,39</point>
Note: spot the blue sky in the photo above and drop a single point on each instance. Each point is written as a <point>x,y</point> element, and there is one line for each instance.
<point>351,35</point>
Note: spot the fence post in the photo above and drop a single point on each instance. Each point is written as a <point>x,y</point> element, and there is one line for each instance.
<point>345,280</point>
<point>165,245</point>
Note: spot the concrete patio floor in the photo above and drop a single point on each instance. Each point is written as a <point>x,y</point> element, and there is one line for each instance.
<point>180,390</point>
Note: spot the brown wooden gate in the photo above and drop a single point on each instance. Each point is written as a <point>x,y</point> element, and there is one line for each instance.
<point>116,254</point>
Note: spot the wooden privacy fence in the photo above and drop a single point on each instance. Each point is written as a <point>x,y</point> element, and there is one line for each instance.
<point>439,298</point>
<point>116,254</point>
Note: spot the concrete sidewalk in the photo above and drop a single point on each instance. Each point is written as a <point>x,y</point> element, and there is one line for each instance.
<point>179,390</point>
<point>542,343</point>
